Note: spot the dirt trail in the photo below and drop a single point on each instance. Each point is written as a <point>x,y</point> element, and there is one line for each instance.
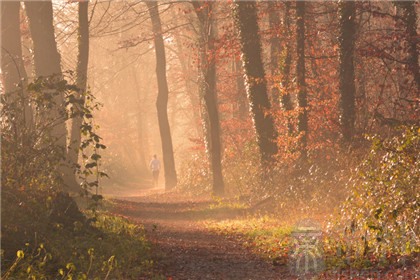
<point>184,248</point>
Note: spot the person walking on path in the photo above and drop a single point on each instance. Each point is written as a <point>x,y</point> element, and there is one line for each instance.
<point>155,167</point>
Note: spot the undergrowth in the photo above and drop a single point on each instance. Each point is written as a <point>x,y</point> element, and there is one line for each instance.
<point>44,235</point>
<point>39,244</point>
<point>374,191</point>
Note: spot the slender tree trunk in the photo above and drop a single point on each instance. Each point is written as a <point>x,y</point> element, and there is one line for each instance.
<point>162,99</point>
<point>275,50</point>
<point>246,21</point>
<point>347,86</point>
<point>300,78</point>
<point>409,16</point>
<point>81,82</point>
<point>286,99</point>
<point>208,67</point>
<point>140,120</point>
<point>13,71</point>
<point>48,64</point>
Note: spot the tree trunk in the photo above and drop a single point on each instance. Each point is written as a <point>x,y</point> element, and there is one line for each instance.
<point>246,21</point>
<point>142,146</point>
<point>300,78</point>
<point>13,71</point>
<point>81,82</point>
<point>48,64</point>
<point>208,67</point>
<point>347,86</point>
<point>240,87</point>
<point>286,99</point>
<point>46,57</point>
<point>162,99</point>
<point>410,21</point>
<point>275,50</point>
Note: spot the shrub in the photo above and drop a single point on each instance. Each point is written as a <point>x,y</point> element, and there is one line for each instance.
<point>196,177</point>
<point>44,235</point>
<point>381,215</point>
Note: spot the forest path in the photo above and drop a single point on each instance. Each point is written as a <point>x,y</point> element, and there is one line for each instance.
<point>183,247</point>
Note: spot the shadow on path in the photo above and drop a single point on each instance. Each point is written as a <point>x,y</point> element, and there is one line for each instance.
<point>184,249</point>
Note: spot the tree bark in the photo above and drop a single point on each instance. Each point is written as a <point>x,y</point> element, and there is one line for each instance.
<point>347,87</point>
<point>286,99</point>
<point>208,68</point>
<point>81,82</point>
<point>46,57</point>
<point>275,50</point>
<point>47,63</point>
<point>246,20</point>
<point>240,87</point>
<point>162,99</point>
<point>13,71</point>
<point>300,78</point>
<point>409,16</point>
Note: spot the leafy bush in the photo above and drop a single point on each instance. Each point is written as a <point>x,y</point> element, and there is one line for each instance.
<point>242,177</point>
<point>196,177</point>
<point>381,216</point>
<point>30,151</point>
<point>44,234</point>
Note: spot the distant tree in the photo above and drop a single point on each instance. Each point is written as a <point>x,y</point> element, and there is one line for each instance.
<point>245,13</point>
<point>81,82</point>
<point>275,48</point>
<point>409,16</point>
<point>141,121</point>
<point>190,84</point>
<point>162,98</point>
<point>286,99</point>
<point>300,77</point>
<point>13,70</point>
<point>207,37</point>
<point>347,86</point>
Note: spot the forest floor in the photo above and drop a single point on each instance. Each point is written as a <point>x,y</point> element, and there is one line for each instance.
<point>183,247</point>
<point>186,246</point>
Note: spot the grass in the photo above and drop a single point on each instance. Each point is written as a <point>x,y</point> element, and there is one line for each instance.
<point>263,234</point>
<point>91,246</point>
<point>272,239</point>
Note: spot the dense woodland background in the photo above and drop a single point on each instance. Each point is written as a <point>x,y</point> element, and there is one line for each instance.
<point>290,106</point>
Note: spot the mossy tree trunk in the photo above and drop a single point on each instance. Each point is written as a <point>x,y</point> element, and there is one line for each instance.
<point>245,13</point>
<point>243,109</point>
